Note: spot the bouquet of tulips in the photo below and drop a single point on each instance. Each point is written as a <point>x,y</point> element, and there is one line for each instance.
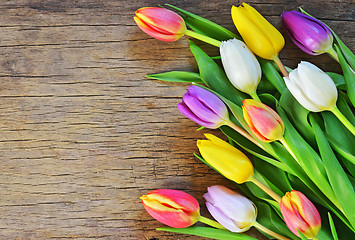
<point>296,125</point>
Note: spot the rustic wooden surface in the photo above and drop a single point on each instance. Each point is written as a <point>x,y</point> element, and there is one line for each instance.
<point>83,134</point>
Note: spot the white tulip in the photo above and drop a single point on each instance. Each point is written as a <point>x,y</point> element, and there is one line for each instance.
<point>232,210</point>
<point>312,87</point>
<point>241,66</point>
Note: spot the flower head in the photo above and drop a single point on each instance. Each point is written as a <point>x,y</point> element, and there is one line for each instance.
<point>160,23</point>
<point>263,121</point>
<point>308,33</point>
<point>172,207</point>
<point>300,214</point>
<point>312,87</point>
<point>226,159</point>
<point>204,108</point>
<point>259,35</point>
<point>241,66</point>
<point>232,210</point>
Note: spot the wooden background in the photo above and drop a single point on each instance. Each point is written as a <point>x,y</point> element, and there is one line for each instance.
<point>83,134</point>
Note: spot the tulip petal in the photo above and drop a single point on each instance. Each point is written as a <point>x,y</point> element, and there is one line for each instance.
<point>293,86</point>
<point>300,214</point>
<point>204,113</point>
<point>317,86</point>
<point>234,211</point>
<point>233,165</point>
<point>232,204</point>
<point>210,100</point>
<point>164,19</point>
<point>172,207</point>
<point>259,35</point>
<point>308,33</point>
<point>224,220</point>
<point>241,66</point>
<point>223,144</point>
<point>153,33</point>
<point>184,110</point>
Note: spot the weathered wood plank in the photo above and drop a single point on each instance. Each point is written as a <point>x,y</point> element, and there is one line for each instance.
<point>84,135</point>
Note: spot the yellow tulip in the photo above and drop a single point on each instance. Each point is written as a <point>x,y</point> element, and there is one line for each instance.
<point>226,159</point>
<point>259,35</point>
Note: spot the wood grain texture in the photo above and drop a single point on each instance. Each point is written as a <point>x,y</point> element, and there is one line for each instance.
<point>84,134</point>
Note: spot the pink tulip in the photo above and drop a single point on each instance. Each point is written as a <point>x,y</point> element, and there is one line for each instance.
<point>263,121</point>
<point>300,214</point>
<point>172,207</point>
<point>160,23</point>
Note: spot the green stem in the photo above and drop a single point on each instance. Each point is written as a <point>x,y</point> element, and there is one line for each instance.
<point>255,96</point>
<point>333,54</point>
<point>244,133</point>
<point>288,148</point>
<point>281,66</point>
<point>269,232</point>
<point>266,189</point>
<point>203,38</point>
<point>343,119</point>
<point>210,222</point>
<point>315,238</point>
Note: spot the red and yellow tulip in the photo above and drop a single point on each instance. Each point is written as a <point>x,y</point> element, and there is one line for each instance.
<point>172,207</point>
<point>263,121</point>
<point>300,214</point>
<point>160,23</point>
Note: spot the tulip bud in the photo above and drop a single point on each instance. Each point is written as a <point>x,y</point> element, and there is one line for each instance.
<point>240,65</point>
<point>259,35</point>
<point>232,210</point>
<point>160,23</point>
<point>312,88</point>
<point>172,207</point>
<point>308,33</point>
<point>204,108</point>
<point>226,159</point>
<point>300,214</point>
<point>263,121</point>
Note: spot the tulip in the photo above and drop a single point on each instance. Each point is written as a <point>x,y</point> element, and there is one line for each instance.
<point>172,207</point>
<point>226,159</point>
<point>300,214</point>
<point>263,121</point>
<point>312,88</point>
<point>234,211</point>
<point>204,108</point>
<point>308,33</point>
<point>259,35</point>
<point>160,23</point>
<point>241,66</point>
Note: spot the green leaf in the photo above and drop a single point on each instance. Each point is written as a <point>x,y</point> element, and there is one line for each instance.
<point>177,76</point>
<point>340,138</point>
<point>209,233</point>
<point>304,152</point>
<point>332,227</point>
<point>270,219</point>
<point>298,115</point>
<point>273,174</point>
<point>349,75</point>
<point>272,75</point>
<point>338,179</point>
<point>337,79</point>
<point>214,77</point>
<point>204,26</point>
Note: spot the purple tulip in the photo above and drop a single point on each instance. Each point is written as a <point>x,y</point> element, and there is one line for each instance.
<point>204,108</point>
<point>232,210</point>
<point>308,33</point>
